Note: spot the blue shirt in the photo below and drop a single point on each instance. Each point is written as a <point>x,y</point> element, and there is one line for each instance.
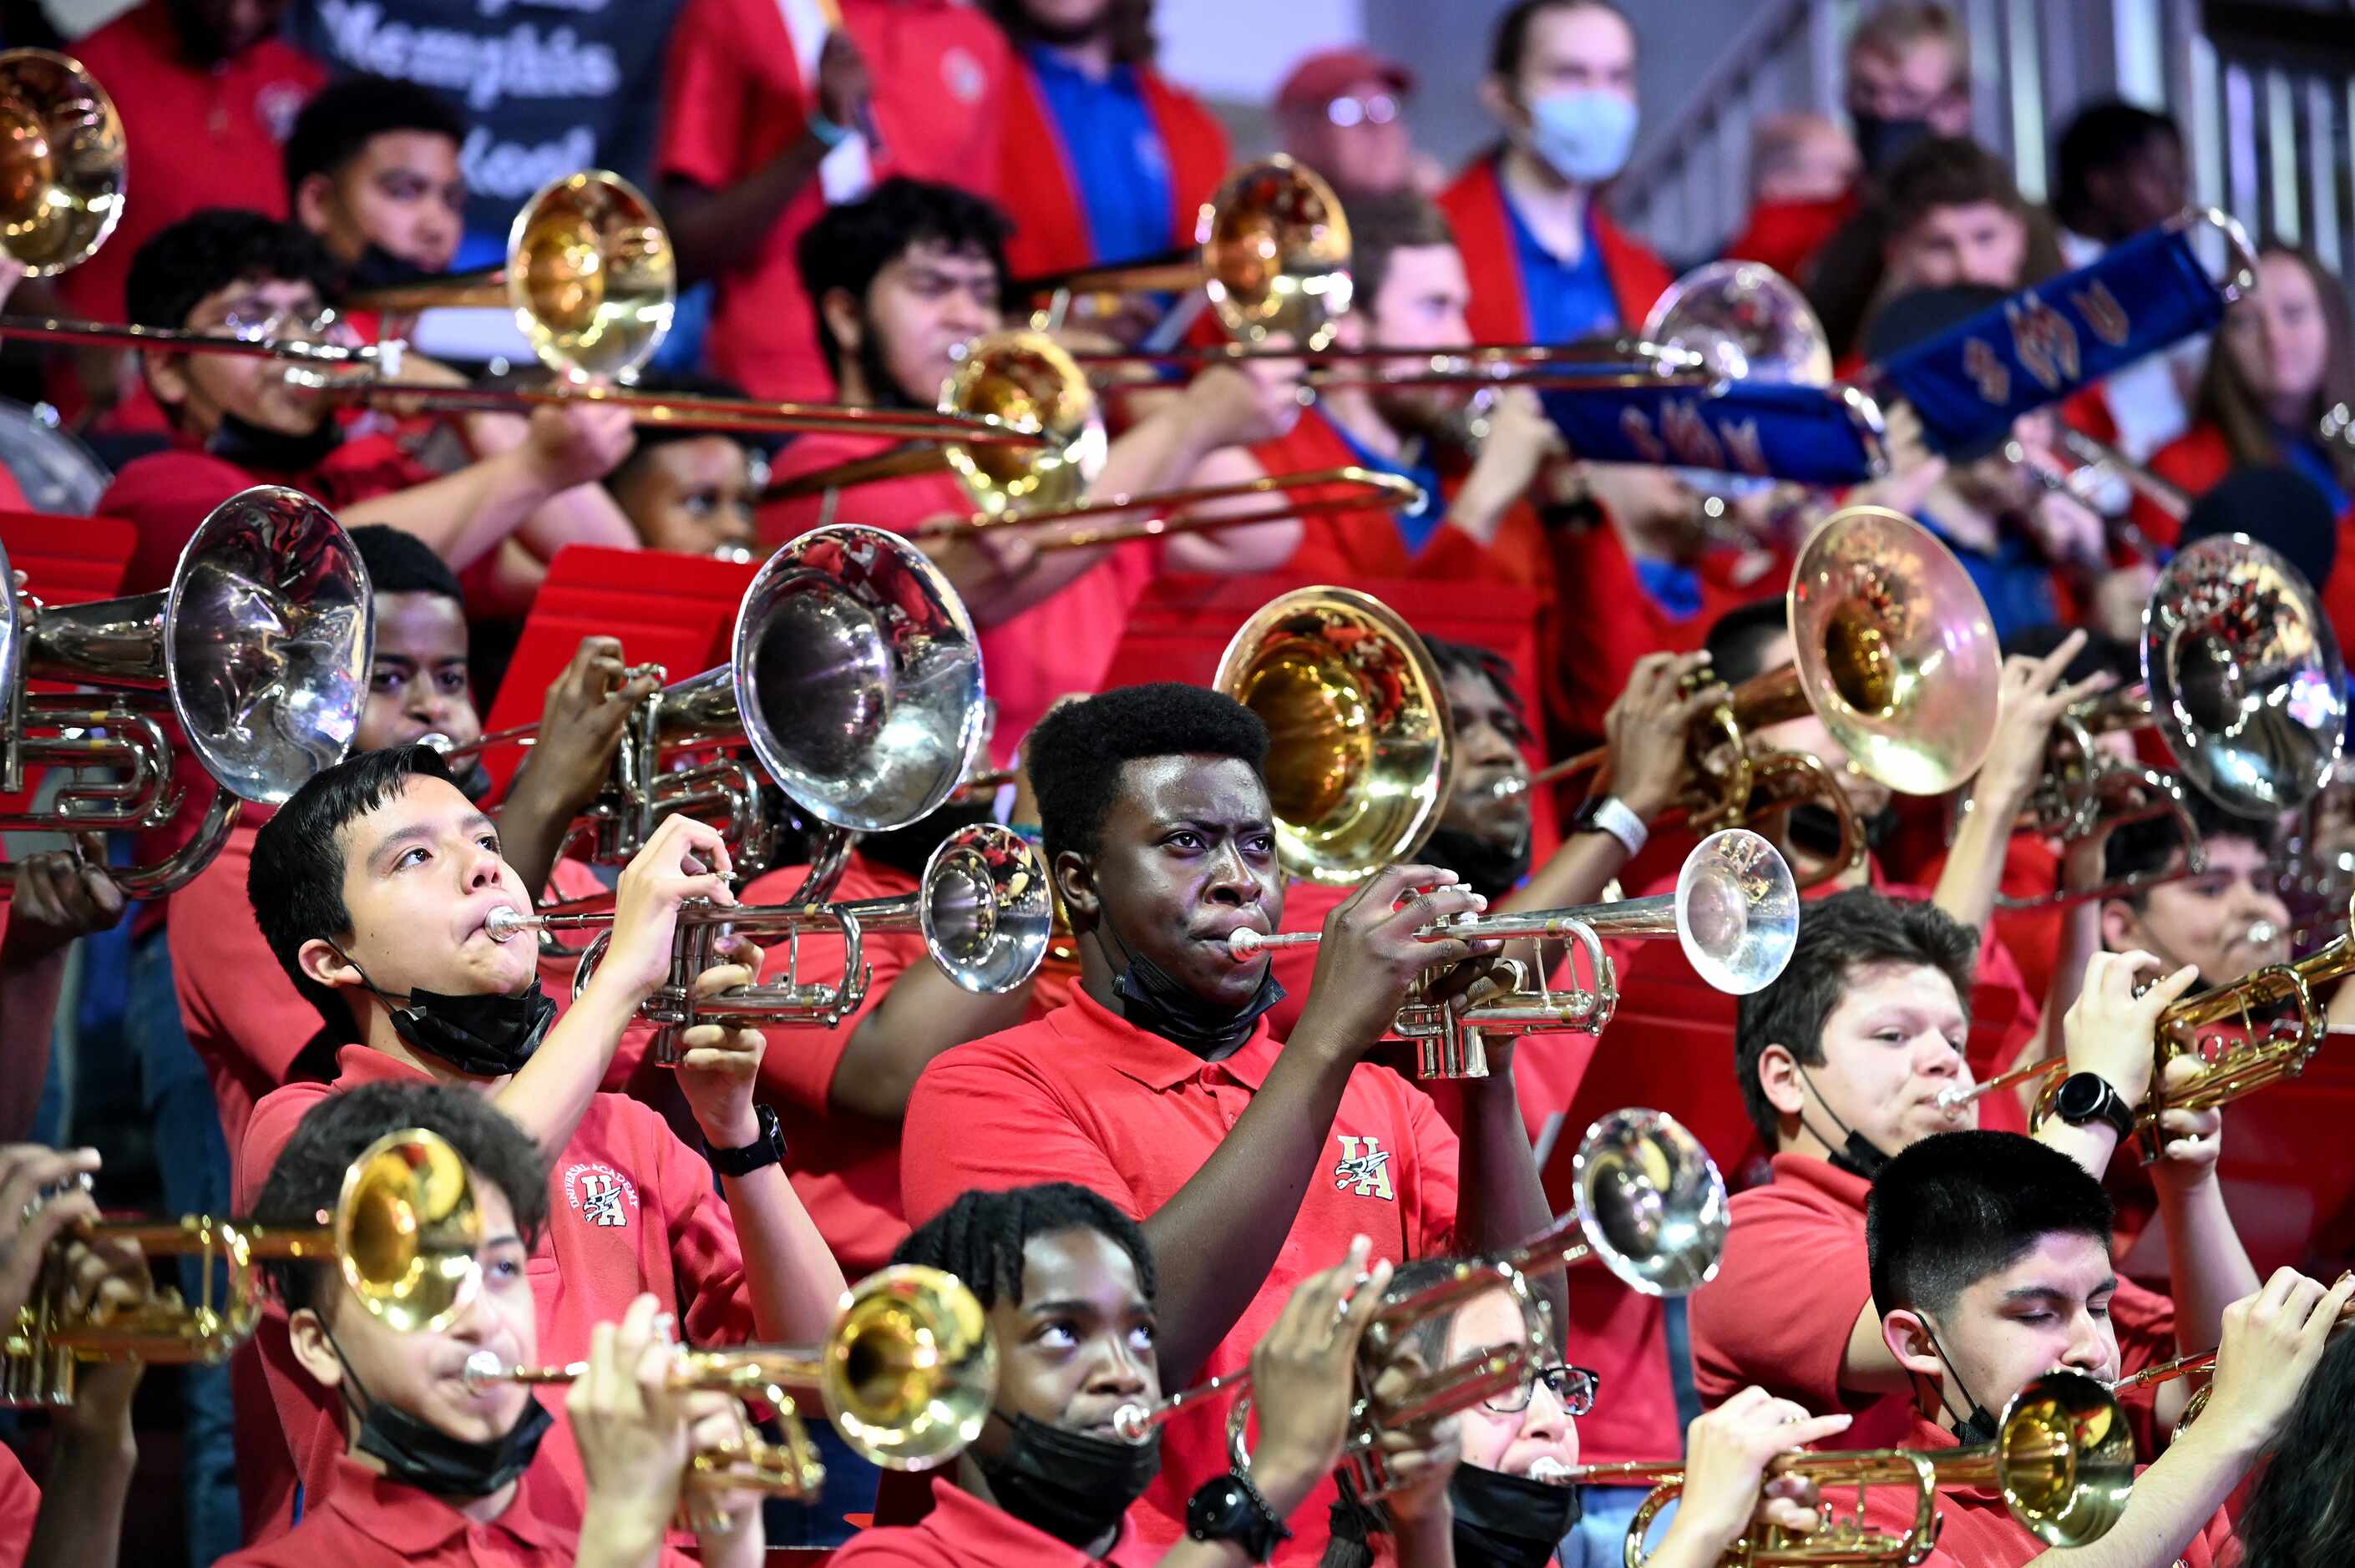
<point>1568,300</point>
<point>2313,465</point>
<point>1116,157</point>
<point>2014,580</point>
<point>1675,588</point>
<point>1416,527</point>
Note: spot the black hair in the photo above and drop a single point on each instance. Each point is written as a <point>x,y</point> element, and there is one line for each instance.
<point>295,881</point>
<point>2145,847</point>
<point>850,245</point>
<point>398,561</point>
<point>1509,44</point>
<point>1945,171</point>
<point>980,1237</point>
<point>345,115</point>
<point>309,1173</point>
<point>1837,936</point>
<point>209,250</point>
<point>1467,658</point>
<point>1738,639</point>
<point>2302,1513</point>
<point>1958,1206</point>
<point>1382,223</point>
<point>2104,136</point>
<point>1076,751</point>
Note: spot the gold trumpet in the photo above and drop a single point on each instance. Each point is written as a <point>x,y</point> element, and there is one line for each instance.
<point>2064,1459</point>
<point>907,1376</point>
<point>2198,1364</point>
<point>405,1228</point>
<point>1650,1207</point>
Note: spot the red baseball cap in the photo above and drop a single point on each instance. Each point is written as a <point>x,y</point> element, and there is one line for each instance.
<point>1329,74</point>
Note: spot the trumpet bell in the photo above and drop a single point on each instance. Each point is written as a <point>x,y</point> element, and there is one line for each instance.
<point>62,159</point>
<point>909,1371</point>
<point>2065,1460</point>
<point>1895,649</point>
<point>1275,246</point>
<point>1361,752</point>
<point>986,911</point>
<point>1747,321</point>
<point>2245,675</point>
<point>857,678</point>
<point>407,1231</point>
<point>1737,911</point>
<point>1031,382</point>
<point>592,275</point>
<point>1650,1201</point>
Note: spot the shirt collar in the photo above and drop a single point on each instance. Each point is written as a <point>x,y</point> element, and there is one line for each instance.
<point>977,1532</point>
<point>358,1065</point>
<point>1157,1064</point>
<point>414,1524</point>
<point>1844,1187</point>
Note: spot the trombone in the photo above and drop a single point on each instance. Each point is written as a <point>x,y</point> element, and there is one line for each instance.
<point>1650,1205</point>
<point>1892,651</point>
<point>405,1229</point>
<point>258,653</point>
<point>64,166</point>
<point>2064,1459</point>
<point>983,909</point>
<point>1735,911</point>
<point>907,1375</point>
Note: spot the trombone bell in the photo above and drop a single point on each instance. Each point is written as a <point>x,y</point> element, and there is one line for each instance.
<point>61,175</point>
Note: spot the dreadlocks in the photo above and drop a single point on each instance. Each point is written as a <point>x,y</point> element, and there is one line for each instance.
<point>980,1237</point>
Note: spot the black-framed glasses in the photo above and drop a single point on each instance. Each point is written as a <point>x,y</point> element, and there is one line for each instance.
<point>1573,1387</point>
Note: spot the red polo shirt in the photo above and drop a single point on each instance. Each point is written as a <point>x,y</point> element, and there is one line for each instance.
<point>1082,1096</point>
<point>199,136</point>
<point>20,1505</point>
<point>740,89</point>
<point>845,1167</point>
<point>962,1532</point>
<point>1474,205</point>
<point>1754,1323</point>
<point>631,1209</point>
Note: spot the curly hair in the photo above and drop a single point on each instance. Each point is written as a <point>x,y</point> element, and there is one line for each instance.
<point>980,1237</point>
<point>1077,752</point>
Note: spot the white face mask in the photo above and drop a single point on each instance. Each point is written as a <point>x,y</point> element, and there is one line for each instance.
<point>1584,134</point>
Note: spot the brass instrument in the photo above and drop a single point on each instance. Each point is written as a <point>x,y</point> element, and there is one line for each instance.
<point>1735,911</point>
<point>259,651</point>
<point>906,1375</point>
<point>63,172</point>
<point>2064,1459</point>
<point>983,909</point>
<point>2200,1363</point>
<point>2241,678</point>
<point>1650,1206</point>
<point>1894,652</point>
<point>405,1229</point>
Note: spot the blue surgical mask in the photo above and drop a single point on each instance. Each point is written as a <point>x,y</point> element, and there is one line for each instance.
<point>1585,134</point>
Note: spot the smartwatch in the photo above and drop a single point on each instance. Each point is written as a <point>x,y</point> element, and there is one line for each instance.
<point>2087,1098</point>
<point>767,1149</point>
<point>1229,1508</point>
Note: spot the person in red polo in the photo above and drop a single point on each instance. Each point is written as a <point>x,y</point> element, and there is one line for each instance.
<point>770,114</point>
<point>1103,159</point>
<point>439,1471</point>
<point>1160,1084</point>
<point>1989,1263</point>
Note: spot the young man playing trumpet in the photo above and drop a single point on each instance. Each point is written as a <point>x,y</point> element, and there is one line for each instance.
<point>441,1468</point>
<point>1991,1266</point>
<point>374,886</point>
<point>1160,1084</point>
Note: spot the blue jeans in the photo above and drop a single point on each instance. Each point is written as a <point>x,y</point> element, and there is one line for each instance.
<point>192,1160</point>
<point>1599,1539</point>
<point>850,1483</point>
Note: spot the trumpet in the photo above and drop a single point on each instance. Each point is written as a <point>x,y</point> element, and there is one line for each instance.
<point>906,1375</point>
<point>1650,1205</point>
<point>2064,1459</point>
<point>1735,913</point>
<point>259,651</point>
<point>983,909</point>
<point>2198,1364</point>
<point>405,1229</point>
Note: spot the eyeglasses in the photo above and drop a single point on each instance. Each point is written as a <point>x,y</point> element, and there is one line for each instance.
<point>1378,110</point>
<point>1573,1387</point>
<point>262,324</point>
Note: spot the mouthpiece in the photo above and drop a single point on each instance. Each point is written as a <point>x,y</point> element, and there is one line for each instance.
<point>437,742</point>
<point>504,923</point>
<point>484,1368</point>
<point>1244,943</point>
<point>1132,1423</point>
<point>1506,789</point>
<point>2263,934</point>
<point>1954,1099</point>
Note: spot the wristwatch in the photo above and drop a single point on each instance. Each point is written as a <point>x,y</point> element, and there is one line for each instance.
<point>1229,1508</point>
<point>1609,815</point>
<point>768,1148</point>
<point>2088,1097</point>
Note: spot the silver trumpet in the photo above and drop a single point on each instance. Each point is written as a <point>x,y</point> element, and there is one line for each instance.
<point>983,909</point>
<point>1735,911</point>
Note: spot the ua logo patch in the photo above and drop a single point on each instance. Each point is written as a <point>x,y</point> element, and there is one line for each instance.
<point>602,1195</point>
<point>1365,1165</point>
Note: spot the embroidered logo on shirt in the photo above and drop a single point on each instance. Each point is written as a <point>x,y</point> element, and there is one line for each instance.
<point>1365,1165</point>
<point>962,75</point>
<point>278,104</point>
<point>602,1195</point>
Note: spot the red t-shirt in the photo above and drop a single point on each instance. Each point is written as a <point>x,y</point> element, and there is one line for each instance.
<point>1082,1096</point>
<point>20,1503</point>
<point>962,1532</point>
<point>742,84</point>
<point>199,136</point>
<point>631,1209</point>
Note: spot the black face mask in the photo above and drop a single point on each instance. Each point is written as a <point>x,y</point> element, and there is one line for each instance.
<point>1487,868</point>
<point>421,1455</point>
<point>1880,143</point>
<point>380,269</point>
<point>249,445</point>
<point>1509,1521</point>
<point>1978,1425</point>
<point>1816,829</point>
<point>1072,1486</point>
<point>1153,999</point>
<point>485,1035</point>
<point>1857,1155</point>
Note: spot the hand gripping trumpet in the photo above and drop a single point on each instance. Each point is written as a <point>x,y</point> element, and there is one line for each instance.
<point>2064,1459</point>
<point>405,1229</point>
<point>1650,1206</point>
<point>1735,911</point>
<point>2198,1364</point>
<point>983,909</point>
<point>906,1376</point>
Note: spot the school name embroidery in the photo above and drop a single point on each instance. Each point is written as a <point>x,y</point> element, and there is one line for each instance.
<point>600,1194</point>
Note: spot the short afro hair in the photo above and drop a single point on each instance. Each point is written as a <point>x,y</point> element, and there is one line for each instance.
<point>1465,659</point>
<point>209,250</point>
<point>345,116</point>
<point>1958,1206</point>
<point>398,561</point>
<point>1078,751</point>
<point>309,1173</point>
<point>1839,935</point>
<point>980,1237</point>
<point>1738,639</point>
<point>849,247</point>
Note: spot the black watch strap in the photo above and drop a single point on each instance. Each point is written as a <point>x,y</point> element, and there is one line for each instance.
<point>2089,1097</point>
<point>1229,1508</point>
<point>768,1148</point>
